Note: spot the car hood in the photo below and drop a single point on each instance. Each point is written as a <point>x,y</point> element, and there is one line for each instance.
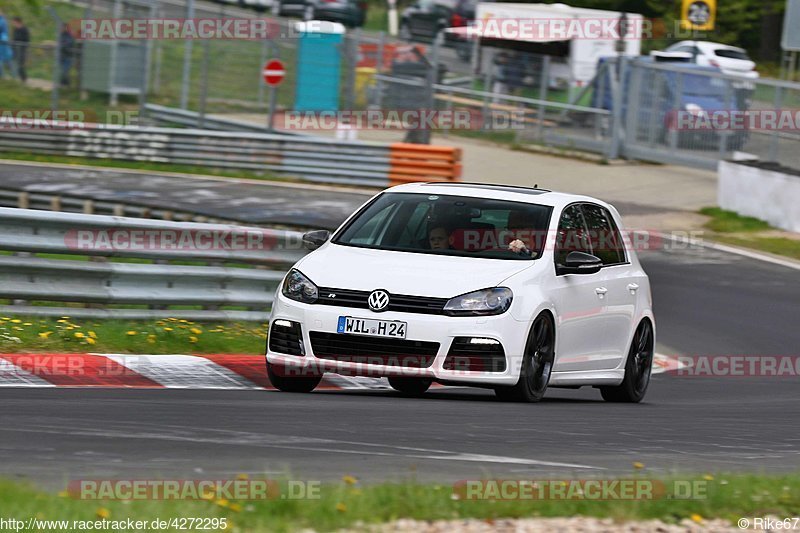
<point>417,274</point>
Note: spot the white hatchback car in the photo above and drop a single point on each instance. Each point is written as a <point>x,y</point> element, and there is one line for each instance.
<point>729,59</point>
<point>510,288</point>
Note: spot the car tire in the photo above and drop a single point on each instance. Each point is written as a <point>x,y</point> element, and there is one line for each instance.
<point>638,368</point>
<point>410,386</point>
<point>537,364</point>
<point>285,383</point>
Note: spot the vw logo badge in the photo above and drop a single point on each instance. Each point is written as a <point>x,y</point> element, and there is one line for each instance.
<point>378,300</point>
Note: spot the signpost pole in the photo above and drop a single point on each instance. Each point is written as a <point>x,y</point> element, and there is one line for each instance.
<point>273,73</point>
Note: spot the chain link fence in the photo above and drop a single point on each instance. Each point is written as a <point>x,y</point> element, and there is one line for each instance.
<point>631,107</point>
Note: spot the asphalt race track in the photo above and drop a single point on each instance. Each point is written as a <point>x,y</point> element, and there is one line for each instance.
<point>246,201</point>
<point>707,302</point>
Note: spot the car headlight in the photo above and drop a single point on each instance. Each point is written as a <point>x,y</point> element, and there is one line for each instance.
<point>299,288</point>
<point>484,302</point>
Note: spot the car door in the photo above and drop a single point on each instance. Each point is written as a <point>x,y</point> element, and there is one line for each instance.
<point>426,20</point>
<point>579,300</point>
<point>616,278</point>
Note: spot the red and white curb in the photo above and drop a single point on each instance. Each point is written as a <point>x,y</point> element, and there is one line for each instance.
<point>223,371</point>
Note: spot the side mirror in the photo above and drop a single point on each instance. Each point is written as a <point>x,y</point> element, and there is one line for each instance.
<point>580,263</point>
<point>314,239</point>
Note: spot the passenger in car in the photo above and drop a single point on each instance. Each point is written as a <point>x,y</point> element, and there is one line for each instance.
<point>439,238</point>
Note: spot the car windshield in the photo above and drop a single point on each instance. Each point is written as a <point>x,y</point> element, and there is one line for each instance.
<point>449,225</point>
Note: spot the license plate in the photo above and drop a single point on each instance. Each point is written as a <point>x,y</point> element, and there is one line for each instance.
<point>373,328</point>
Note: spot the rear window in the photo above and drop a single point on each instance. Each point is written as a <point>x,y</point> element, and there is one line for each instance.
<point>731,54</point>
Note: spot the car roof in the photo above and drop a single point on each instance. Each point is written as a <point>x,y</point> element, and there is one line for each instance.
<point>708,45</point>
<point>514,193</point>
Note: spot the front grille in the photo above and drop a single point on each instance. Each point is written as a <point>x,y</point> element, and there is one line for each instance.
<point>286,339</point>
<point>397,302</point>
<point>468,357</point>
<point>373,350</point>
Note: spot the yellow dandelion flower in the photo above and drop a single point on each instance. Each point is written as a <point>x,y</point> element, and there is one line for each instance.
<point>196,331</point>
<point>91,340</point>
<point>242,477</point>
<point>182,321</point>
<point>167,329</point>
<point>222,502</point>
<point>28,324</point>
<point>62,321</point>
<point>92,334</point>
<point>341,507</point>
<point>102,512</point>
<point>16,321</point>
<point>637,465</point>
<point>350,480</point>
<point>63,494</point>
<point>151,339</point>
<point>131,332</point>
<point>708,477</point>
<point>696,518</point>
<point>235,507</point>
<point>45,334</point>
<point>79,335</point>
<point>192,339</point>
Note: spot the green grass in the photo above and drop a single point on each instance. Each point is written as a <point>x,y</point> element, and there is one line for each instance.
<point>748,232</point>
<point>145,165</point>
<point>76,335</point>
<point>349,504</point>
<point>729,222</point>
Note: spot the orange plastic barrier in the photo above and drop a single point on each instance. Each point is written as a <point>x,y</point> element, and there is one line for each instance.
<point>422,162</point>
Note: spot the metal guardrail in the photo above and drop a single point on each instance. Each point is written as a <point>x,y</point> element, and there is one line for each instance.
<point>310,158</point>
<point>100,266</point>
<point>164,115</point>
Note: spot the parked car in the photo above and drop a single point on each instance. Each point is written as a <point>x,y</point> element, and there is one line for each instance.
<point>424,19</point>
<point>659,99</point>
<point>258,5</point>
<point>729,59</point>
<point>460,283</point>
<point>351,13</point>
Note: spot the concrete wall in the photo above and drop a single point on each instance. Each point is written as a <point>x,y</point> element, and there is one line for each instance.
<point>765,194</point>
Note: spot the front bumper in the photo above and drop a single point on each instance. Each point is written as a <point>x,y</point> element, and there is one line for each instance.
<point>512,334</point>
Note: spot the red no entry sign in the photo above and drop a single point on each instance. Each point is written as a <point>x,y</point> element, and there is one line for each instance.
<point>273,72</point>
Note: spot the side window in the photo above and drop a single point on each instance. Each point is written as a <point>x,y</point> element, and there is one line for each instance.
<point>604,236</point>
<point>571,235</point>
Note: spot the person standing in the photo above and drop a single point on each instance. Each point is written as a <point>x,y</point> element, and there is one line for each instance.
<point>5,48</point>
<point>66,53</point>
<point>20,38</point>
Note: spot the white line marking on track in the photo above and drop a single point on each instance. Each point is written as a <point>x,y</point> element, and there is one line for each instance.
<point>734,250</point>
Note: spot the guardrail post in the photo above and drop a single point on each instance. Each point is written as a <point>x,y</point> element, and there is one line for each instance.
<point>187,60</point>
<point>487,88</point>
<point>772,155</point>
<point>616,117</point>
<point>544,84</point>
<point>201,117</point>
